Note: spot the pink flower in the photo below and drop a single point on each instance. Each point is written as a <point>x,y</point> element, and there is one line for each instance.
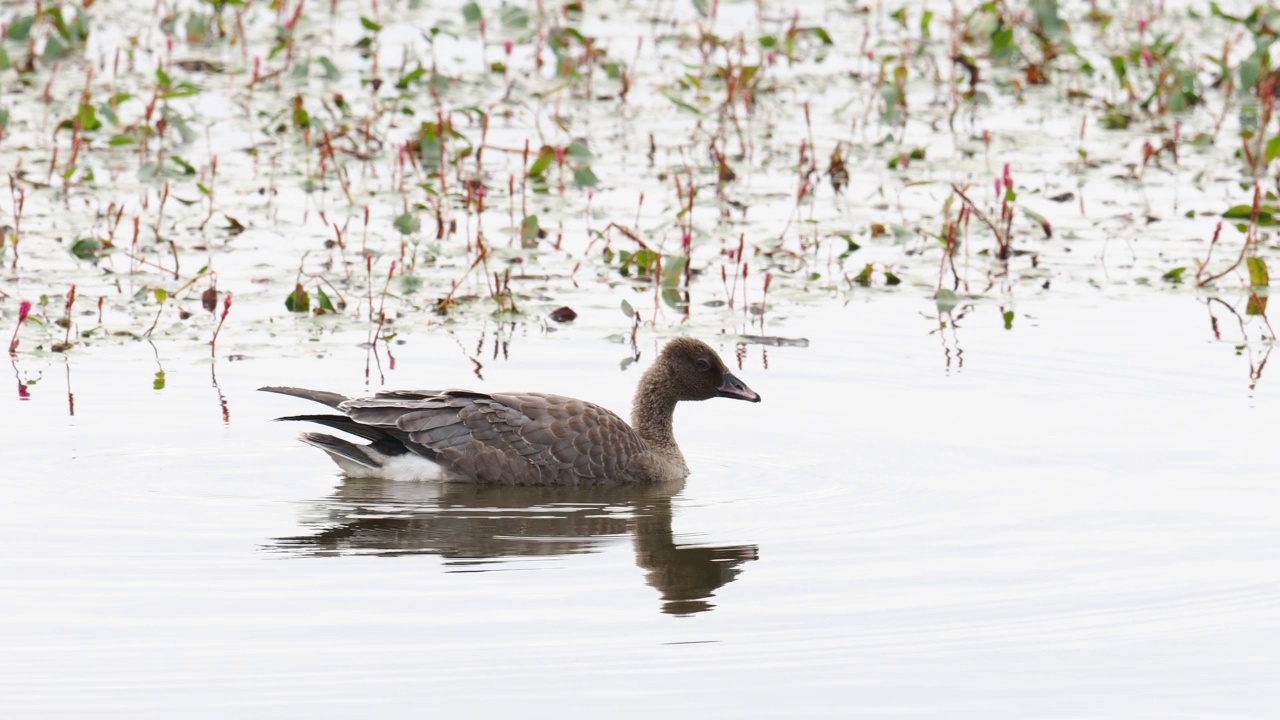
<point>1008,177</point>
<point>24,309</point>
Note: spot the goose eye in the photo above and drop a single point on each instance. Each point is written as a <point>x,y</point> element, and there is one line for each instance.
<point>702,364</point>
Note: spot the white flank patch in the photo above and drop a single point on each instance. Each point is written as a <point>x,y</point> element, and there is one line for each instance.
<point>407,467</point>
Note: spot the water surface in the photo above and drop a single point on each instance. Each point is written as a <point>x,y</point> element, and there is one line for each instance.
<point>1072,518</point>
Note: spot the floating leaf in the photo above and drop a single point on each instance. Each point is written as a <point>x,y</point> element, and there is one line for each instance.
<point>684,105</point>
<point>583,177</point>
<point>947,301</point>
<point>542,162</point>
<point>515,18</point>
<point>186,167</point>
<point>850,246</point>
<point>407,223</point>
<point>331,71</point>
<point>563,314</point>
<point>1257,304</point>
<point>298,301</point>
<point>672,270</point>
<point>1258,275</point>
<point>529,231</point>
<point>86,248</point>
<point>1174,276</point>
<point>1008,319</point>
<point>410,284</point>
<point>1267,214</point>
<point>1040,220</point>
<point>322,299</point>
<point>410,77</point>
<point>20,28</point>
<point>579,151</point>
<point>674,298</point>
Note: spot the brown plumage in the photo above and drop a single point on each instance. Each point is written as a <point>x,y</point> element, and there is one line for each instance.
<point>523,438</point>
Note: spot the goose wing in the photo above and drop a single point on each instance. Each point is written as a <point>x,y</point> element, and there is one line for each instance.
<point>514,438</point>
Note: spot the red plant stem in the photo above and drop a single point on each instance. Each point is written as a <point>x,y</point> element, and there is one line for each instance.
<point>226,308</point>
<point>71,298</point>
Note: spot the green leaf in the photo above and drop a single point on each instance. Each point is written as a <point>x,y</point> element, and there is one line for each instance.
<point>471,12</point>
<point>158,382</point>
<point>1003,46</point>
<point>627,309</point>
<point>55,49</point>
<point>298,301</point>
<point>579,151</point>
<point>1119,67</point>
<point>1273,148</point>
<point>673,298</point>
<point>20,28</point>
<point>323,300</point>
<point>515,18</point>
<point>369,25</point>
<point>1008,319</point>
<point>1258,275</point>
<point>947,301</point>
<point>672,270</point>
<point>851,247</point>
<point>1267,214</point>
<point>407,223</point>
<point>583,177</point>
<point>410,284</point>
<point>187,168</point>
<point>410,77</point>
<point>1174,276</point>
<point>86,248</point>
<point>331,71</point>
<point>543,161</point>
<point>529,231</point>
<point>684,105</point>
<point>160,294</point>
<point>1250,69</point>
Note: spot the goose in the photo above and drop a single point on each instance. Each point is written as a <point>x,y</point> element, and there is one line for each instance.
<point>522,438</point>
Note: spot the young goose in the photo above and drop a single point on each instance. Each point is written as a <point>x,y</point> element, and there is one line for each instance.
<point>523,438</point>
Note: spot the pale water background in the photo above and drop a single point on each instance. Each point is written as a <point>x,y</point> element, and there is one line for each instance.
<point>1080,521</point>
<point>1074,517</point>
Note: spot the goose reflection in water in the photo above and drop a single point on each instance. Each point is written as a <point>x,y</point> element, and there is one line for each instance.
<point>490,523</point>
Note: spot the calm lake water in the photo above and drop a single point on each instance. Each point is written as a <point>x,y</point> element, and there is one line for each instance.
<point>1069,511</point>
<point>1073,518</point>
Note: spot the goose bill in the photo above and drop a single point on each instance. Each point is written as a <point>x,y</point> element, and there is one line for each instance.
<point>732,387</point>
